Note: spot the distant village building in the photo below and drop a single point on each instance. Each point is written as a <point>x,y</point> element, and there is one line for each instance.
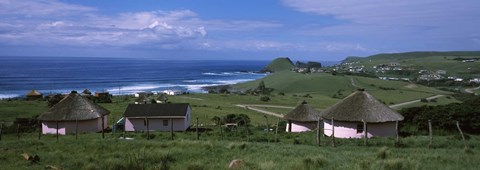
<point>102,94</point>
<point>172,92</point>
<point>475,80</point>
<point>34,95</point>
<point>442,72</point>
<point>74,113</point>
<point>157,117</point>
<point>302,118</point>
<point>348,116</point>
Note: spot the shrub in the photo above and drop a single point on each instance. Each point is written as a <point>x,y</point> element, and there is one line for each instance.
<point>265,98</point>
<point>424,100</point>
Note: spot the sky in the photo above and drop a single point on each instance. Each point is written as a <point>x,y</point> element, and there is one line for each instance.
<point>322,30</point>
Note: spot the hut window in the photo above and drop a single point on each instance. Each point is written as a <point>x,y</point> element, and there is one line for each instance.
<point>359,128</point>
<point>165,122</point>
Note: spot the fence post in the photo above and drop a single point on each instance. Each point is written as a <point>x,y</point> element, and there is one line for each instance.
<point>276,131</point>
<point>268,129</point>
<point>289,126</point>
<point>57,129</point>
<point>171,128</point>
<point>196,128</point>
<point>463,137</point>
<point>333,133</point>
<point>430,133</point>
<point>148,128</point>
<point>124,127</point>
<point>318,132</point>
<point>103,127</point>
<point>18,131</point>
<point>396,131</point>
<point>39,130</point>
<point>365,133</point>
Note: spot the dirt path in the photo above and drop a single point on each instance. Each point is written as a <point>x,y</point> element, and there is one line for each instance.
<point>413,101</point>
<point>353,83</point>
<point>254,108</point>
<point>470,90</point>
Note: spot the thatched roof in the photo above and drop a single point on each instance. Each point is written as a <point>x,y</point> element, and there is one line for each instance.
<point>141,99</point>
<point>86,91</point>
<point>34,93</point>
<point>168,109</point>
<point>361,106</point>
<point>162,97</point>
<point>303,113</point>
<point>74,107</point>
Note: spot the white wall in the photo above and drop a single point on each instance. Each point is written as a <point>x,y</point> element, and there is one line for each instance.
<point>349,129</point>
<point>301,126</point>
<point>155,124</point>
<point>66,127</point>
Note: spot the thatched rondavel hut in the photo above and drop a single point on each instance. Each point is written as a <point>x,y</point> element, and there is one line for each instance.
<point>350,114</point>
<point>34,95</point>
<point>143,99</point>
<point>86,92</point>
<point>72,112</point>
<point>302,118</point>
<point>162,98</point>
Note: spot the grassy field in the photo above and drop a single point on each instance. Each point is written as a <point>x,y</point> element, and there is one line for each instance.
<point>294,151</point>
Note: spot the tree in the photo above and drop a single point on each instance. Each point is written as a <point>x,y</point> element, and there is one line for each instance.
<point>52,101</point>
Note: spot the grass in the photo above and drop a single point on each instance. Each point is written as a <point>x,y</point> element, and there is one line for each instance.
<point>92,152</point>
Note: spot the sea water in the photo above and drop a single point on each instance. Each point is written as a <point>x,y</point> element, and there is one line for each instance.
<point>19,75</point>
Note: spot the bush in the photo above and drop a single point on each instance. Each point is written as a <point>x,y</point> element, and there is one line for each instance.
<point>424,100</point>
<point>265,98</point>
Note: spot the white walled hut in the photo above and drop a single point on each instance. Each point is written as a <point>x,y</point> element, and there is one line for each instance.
<point>74,113</point>
<point>157,117</point>
<point>143,99</point>
<point>302,118</point>
<point>350,114</point>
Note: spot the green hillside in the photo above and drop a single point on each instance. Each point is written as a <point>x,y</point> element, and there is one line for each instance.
<point>448,61</point>
<point>391,92</point>
<point>279,64</point>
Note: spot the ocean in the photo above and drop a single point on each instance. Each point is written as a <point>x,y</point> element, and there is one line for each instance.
<point>19,75</point>
<point>50,75</point>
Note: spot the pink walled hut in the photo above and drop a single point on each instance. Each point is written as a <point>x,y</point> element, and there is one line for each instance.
<point>350,114</point>
<point>157,117</point>
<point>72,114</point>
<point>302,118</point>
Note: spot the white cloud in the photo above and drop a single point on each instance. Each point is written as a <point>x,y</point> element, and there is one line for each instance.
<point>404,12</point>
<point>36,8</point>
<point>53,23</point>
<point>395,25</point>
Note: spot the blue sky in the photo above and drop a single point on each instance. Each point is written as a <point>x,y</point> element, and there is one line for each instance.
<point>247,29</point>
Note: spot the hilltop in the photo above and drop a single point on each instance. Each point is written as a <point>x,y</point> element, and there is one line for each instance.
<point>413,55</point>
<point>278,64</point>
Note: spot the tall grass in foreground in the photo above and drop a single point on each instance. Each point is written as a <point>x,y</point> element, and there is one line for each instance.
<point>211,152</point>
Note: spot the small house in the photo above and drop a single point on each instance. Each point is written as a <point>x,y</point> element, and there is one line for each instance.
<point>86,92</point>
<point>72,114</point>
<point>34,95</point>
<point>157,117</point>
<point>302,118</point>
<point>346,118</point>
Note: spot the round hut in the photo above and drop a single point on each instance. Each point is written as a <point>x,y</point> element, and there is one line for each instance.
<point>86,92</point>
<point>74,113</point>
<point>349,115</point>
<point>302,118</point>
<point>34,95</point>
<point>162,98</point>
<point>141,100</point>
